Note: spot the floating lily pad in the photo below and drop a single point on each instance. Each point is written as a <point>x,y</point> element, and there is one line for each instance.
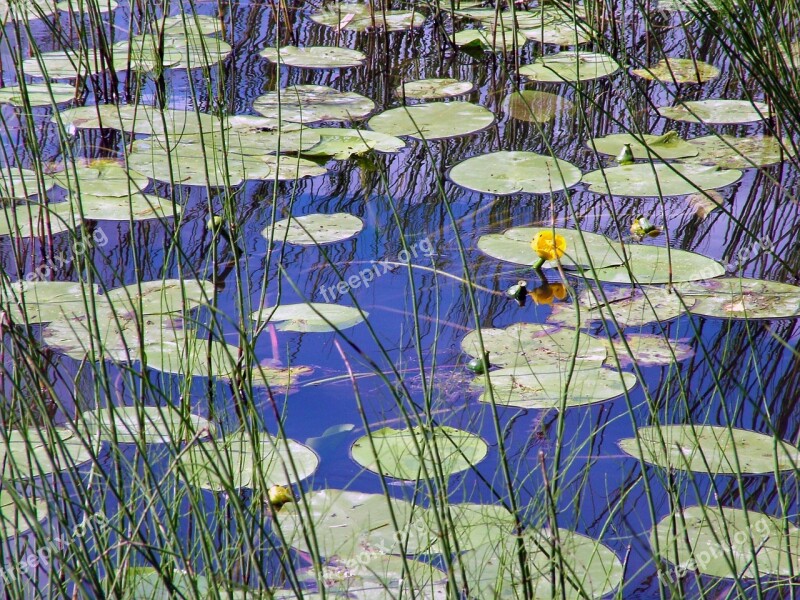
<point>287,168</point>
<point>717,111</point>
<point>312,317</point>
<point>199,51</point>
<point>433,121</point>
<point>679,70</point>
<point>658,179</point>
<point>139,118</point>
<point>279,379</point>
<point>160,297</point>
<point>192,357</point>
<point>360,17</point>
<point>655,264</point>
<point>137,583</point>
<point>34,219</point>
<point>728,542</point>
<point>712,449</point>
<point>534,106</point>
<point>188,24</point>
<point>559,33</point>
<point>238,461</point>
<point>583,248</point>
<point>145,53</point>
<point>21,183</point>
<point>60,64</point>
<point>314,229</point>
<point>433,89</point>
<point>315,57</point>
<point>491,40</point>
<point>18,513</point>
<point>475,525</point>
<point>655,147</point>
<point>138,207</point>
<point>100,178</point>
<point>649,350</point>
<point>150,424</point>
<point>25,10</point>
<point>348,523</point>
<point>401,453</point>
<point>40,452</point>
<point>313,103</point>
<point>503,172</point>
<point>81,6</point>
<point>570,67</point>
<point>735,298</point>
<point>728,152</point>
<point>43,301</point>
<point>690,6</point>
<point>37,94</point>
<point>341,144</point>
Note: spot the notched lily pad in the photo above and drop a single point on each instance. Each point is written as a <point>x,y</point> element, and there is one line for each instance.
<point>735,298</point>
<point>36,301</point>
<point>657,264</point>
<point>717,111</point>
<point>34,219</point>
<point>433,89</point>
<point>570,67</point>
<point>18,513</point>
<point>653,147</point>
<point>314,229</point>
<point>659,179</point>
<point>16,182</point>
<point>312,104</point>
<point>100,178</point>
<point>679,70</point>
<point>150,424</point>
<point>360,17</point>
<point>192,357</point>
<point>433,121</point>
<point>315,57</point>
<point>40,452</point>
<point>312,317</point>
<point>37,94</point>
<point>491,40</point>
<point>341,144</point>
<point>503,172</point>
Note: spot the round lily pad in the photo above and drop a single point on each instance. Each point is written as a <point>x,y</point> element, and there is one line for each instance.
<point>81,6</point>
<point>188,24</point>
<point>314,229</point>
<point>145,53</point>
<point>34,219</point>
<point>649,350</point>
<point>238,461</point>
<point>503,172</point>
<point>159,297</point>
<point>679,70</point>
<point>433,121</point>
<point>712,449</point>
<point>401,453</point>
<point>192,357</point>
<point>570,67</point>
<point>341,144</point>
<point>655,265</point>
<point>360,17</point>
<point>433,89</point>
<point>491,40</point>
<point>735,298</point>
<point>557,32</point>
<point>17,12</point>
<point>315,57</point>
<point>136,583</point>
<point>38,94</point>
<point>654,147</point>
<point>151,424</point>
<point>198,51</point>
<point>312,317</point>
<point>313,103</point>
<point>16,182</point>
<point>534,106</point>
<point>100,178</point>
<point>728,152</point>
<point>138,207</point>
<point>716,111</point>
<point>475,526</point>
<point>658,179</point>
<point>60,64</point>
<point>43,301</point>
<point>18,513</point>
<point>40,452</point>
<point>137,118</point>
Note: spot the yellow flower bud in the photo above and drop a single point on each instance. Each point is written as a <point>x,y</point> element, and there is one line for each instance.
<point>279,495</point>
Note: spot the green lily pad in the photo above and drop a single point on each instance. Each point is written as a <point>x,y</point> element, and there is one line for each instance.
<point>38,452</point>
<point>144,53</point>
<point>658,179</point>
<point>678,70</point>
<point>314,229</point>
<point>728,542</point>
<point>60,64</point>
<point>238,461</point>
<point>242,140</point>
<point>151,424</point>
<point>655,147</point>
<point>82,7</point>
<point>475,526</point>
<point>527,387</point>
<point>138,118</point>
<point>287,168</point>
<point>313,103</point>
<point>188,24</point>
<point>570,67</point>
<point>583,248</point>
<point>728,152</point>
<point>311,317</point>
<point>25,10</point>
<point>534,106</point>
<point>138,207</point>
<point>655,265</point>
<point>558,33</point>
<point>199,51</point>
<point>345,524</point>
<point>22,183</point>
<point>160,297</point>
<point>717,111</point>
<point>359,17</point>
<point>649,350</point>
<point>341,144</point>
<point>38,94</point>
<point>712,449</point>
<point>433,89</point>
<point>503,172</point>
<point>100,178</point>
<point>33,302</point>
<point>401,453</point>
<point>18,513</point>
<point>490,40</point>
<point>315,57</point>
<point>690,6</point>
<point>279,379</point>
<point>433,121</point>
<point>735,298</point>
<point>31,219</point>
<point>139,583</point>
<point>192,357</point>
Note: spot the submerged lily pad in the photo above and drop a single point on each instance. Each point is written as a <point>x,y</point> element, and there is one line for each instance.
<point>37,94</point>
<point>712,449</point>
<point>679,70</point>
<point>313,103</point>
<point>314,229</point>
<point>44,301</point>
<point>646,146</point>
<point>433,89</point>
<point>401,453</point>
<point>534,106</point>
<point>18,513</point>
<point>491,40</point>
<point>100,178</point>
<point>239,461</point>
<point>656,264</point>
<point>658,179</point>
<point>433,121</point>
<point>717,111</point>
<point>40,452</point>
<point>570,67</point>
<point>16,182</point>
<point>360,17</point>
<point>728,542</point>
<point>503,172</point>
<point>649,350</point>
<point>735,298</point>
<point>34,219</point>
<point>341,144</point>
<point>312,317</point>
<point>315,57</point>
<point>728,152</point>
<point>151,424</point>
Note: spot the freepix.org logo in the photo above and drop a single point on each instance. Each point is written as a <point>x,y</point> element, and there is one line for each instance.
<point>365,277</point>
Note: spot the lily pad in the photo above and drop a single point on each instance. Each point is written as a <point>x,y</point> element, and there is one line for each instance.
<point>728,152</point>
<point>341,144</point>
<point>160,297</point>
<point>137,583</point>
<point>360,17</point>
<point>433,89</point>
<point>138,207</point>
<point>475,526</point>
<point>649,350</point>
<point>490,40</point>
<point>192,357</point>
<point>655,265</point>
<point>239,461</point>
<point>433,121</point>
<point>188,24</point>
<point>346,524</point>
<point>16,182</point>
<point>100,178</point>
<point>279,379</point>
<point>146,54</point>
<point>658,179</point>
<point>315,57</point>
<point>556,32</point>
<point>401,453</point>
<point>314,229</point>
<point>583,248</point>
<point>60,64</point>
<point>40,452</point>
<point>679,70</point>
<point>712,449</point>
<point>717,111</point>
<point>82,7</point>
<point>313,103</point>
<point>311,317</point>
<point>534,106</point>
<point>33,302</point>
<point>646,146</point>
<point>137,118</point>
<point>198,51</point>
<point>735,298</point>
<point>37,94</point>
<point>570,67</point>
<point>503,173</point>
<point>25,10</point>
<point>33,219</point>
<point>150,424</point>
<point>18,513</point>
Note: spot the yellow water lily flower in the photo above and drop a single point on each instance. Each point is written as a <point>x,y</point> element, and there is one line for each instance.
<point>279,495</point>
<point>548,246</point>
